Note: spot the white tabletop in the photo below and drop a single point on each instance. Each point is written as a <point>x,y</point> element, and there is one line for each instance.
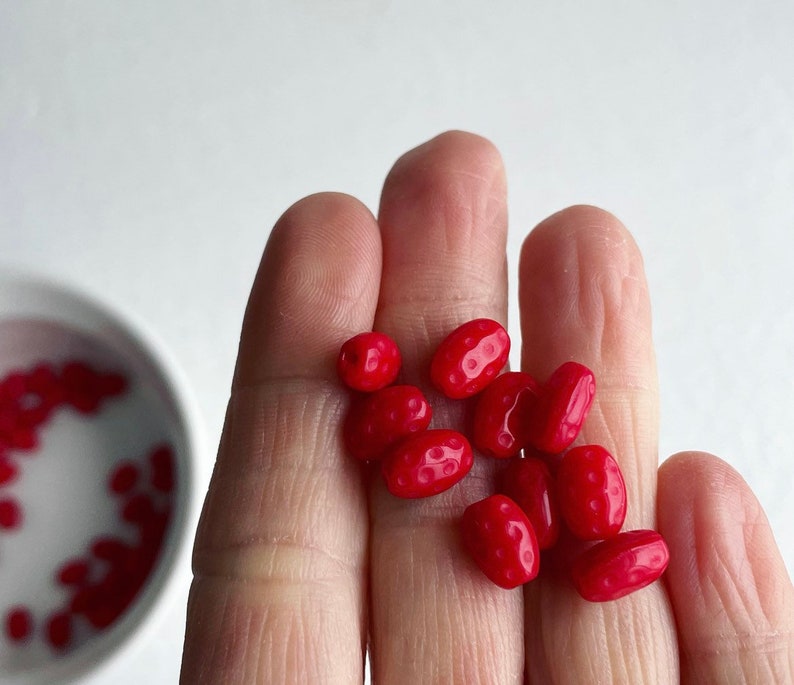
<point>146,149</point>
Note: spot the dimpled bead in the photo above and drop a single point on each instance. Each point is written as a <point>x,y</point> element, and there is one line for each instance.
<point>529,484</point>
<point>565,401</point>
<point>591,492</point>
<point>502,415</point>
<point>621,565</point>
<point>469,358</point>
<point>500,539</point>
<point>427,463</point>
<point>368,361</point>
<point>376,422</point>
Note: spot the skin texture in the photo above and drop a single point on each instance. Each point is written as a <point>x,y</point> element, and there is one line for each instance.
<point>303,560</point>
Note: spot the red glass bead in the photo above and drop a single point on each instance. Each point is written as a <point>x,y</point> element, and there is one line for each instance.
<point>13,386</point>
<point>59,630</point>
<point>81,387</point>
<point>591,492</point>
<point>502,415</point>
<point>499,537</point>
<point>34,416</point>
<point>8,470</point>
<point>153,531</point>
<point>368,361</point>
<point>104,615</point>
<point>10,514</point>
<point>139,509</point>
<point>123,478</point>
<point>23,439</point>
<point>85,599</point>
<point>376,422</point>
<point>45,382</point>
<point>41,379</point>
<point>74,572</point>
<point>110,549</point>
<point>111,384</point>
<point>162,463</point>
<point>9,421</point>
<point>621,565</point>
<point>427,463</point>
<point>530,485</point>
<point>469,358</point>
<point>19,624</point>
<point>565,401</point>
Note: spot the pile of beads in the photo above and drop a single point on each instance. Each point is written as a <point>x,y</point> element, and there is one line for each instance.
<point>547,485</point>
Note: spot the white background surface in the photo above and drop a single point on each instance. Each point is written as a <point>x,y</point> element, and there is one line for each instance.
<point>146,148</point>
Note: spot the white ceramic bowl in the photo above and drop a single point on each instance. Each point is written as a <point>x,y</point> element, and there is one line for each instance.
<point>63,484</point>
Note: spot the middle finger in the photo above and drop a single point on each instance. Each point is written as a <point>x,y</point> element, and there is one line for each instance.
<point>435,618</point>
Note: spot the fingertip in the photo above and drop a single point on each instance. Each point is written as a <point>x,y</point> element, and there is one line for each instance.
<point>317,283</point>
<point>691,466</point>
<point>322,207</point>
<point>692,478</point>
<point>728,584</point>
<point>458,180</point>
<point>443,222</point>
<point>577,224</point>
<point>582,269</point>
<point>447,148</point>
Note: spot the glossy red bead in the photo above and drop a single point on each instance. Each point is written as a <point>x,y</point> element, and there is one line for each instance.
<point>162,460</point>
<point>10,514</point>
<point>9,420</point>
<point>59,630</point>
<point>138,510</point>
<point>377,421</point>
<point>73,572</point>
<point>591,492</point>
<point>13,386</point>
<point>427,463</point>
<point>112,384</point>
<point>110,549</point>
<point>368,361</point>
<point>19,624</point>
<point>529,484</point>
<point>42,379</point>
<point>469,358</point>
<point>8,470</point>
<point>621,565</point>
<point>499,537</point>
<point>502,415</point>
<point>565,401</point>
<point>81,387</point>
<point>23,438</point>
<point>32,417</point>
<point>123,478</point>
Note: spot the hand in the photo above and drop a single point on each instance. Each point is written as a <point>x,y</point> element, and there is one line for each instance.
<point>302,559</point>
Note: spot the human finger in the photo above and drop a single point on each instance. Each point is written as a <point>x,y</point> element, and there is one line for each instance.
<point>731,593</point>
<point>435,617</point>
<point>279,590</point>
<point>583,296</point>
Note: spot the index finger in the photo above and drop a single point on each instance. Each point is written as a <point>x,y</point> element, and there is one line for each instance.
<point>280,556</point>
